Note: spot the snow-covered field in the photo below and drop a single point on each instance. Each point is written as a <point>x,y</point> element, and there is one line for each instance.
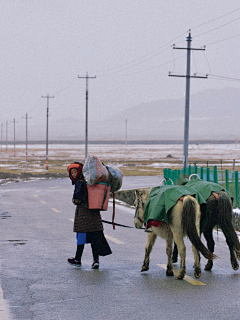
<point>134,159</point>
<point>148,158</point>
<point>117,152</point>
<point>160,155</point>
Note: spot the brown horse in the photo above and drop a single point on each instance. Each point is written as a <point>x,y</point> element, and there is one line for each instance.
<point>184,220</point>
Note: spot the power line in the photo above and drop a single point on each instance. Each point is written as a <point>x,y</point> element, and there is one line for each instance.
<point>154,67</point>
<point>224,15</point>
<point>237,35</point>
<point>198,35</point>
<point>207,61</point>
<point>223,77</point>
<point>154,53</point>
<point>134,65</point>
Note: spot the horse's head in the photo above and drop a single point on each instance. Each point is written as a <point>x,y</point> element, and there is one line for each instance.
<point>139,203</point>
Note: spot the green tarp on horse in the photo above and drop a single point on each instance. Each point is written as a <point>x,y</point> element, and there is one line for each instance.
<point>163,198</point>
<point>205,188</point>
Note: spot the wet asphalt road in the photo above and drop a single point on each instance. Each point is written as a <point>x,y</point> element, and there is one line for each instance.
<point>36,221</point>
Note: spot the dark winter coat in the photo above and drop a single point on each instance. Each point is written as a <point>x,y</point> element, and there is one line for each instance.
<point>86,220</point>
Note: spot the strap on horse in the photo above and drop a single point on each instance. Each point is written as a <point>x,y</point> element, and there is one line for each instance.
<point>215,195</point>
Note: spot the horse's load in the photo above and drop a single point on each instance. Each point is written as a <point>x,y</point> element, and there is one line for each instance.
<point>163,198</point>
<point>101,180</point>
<point>206,188</point>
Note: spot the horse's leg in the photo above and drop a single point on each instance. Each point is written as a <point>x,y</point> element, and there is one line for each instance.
<point>148,248</point>
<point>210,244</point>
<point>225,223</point>
<point>230,244</point>
<point>169,245</point>
<point>178,238</point>
<point>197,266</point>
<point>175,253</point>
<point>176,228</point>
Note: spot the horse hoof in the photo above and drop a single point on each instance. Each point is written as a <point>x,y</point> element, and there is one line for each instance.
<point>208,266</point>
<point>197,273</point>
<point>235,266</point>
<point>144,268</point>
<point>169,273</point>
<point>179,277</point>
<point>174,259</point>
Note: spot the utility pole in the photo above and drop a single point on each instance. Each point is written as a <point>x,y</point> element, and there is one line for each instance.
<point>48,97</point>
<point>14,142</point>
<point>126,132</point>
<point>86,125</point>
<point>1,135</point>
<point>26,136</point>
<point>187,98</point>
<point>6,136</point>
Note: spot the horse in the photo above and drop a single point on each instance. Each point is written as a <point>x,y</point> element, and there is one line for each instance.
<point>184,219</point>
<point>219,213</point>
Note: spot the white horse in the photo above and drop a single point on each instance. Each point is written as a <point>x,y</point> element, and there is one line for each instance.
<point>184,220</point>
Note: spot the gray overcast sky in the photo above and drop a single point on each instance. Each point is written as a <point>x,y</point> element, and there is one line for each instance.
<point>127,44</point>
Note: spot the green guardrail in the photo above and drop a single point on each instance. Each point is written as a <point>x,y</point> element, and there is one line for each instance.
<point>228,179</point>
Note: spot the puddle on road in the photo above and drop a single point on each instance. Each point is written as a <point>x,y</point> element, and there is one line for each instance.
<point>17,242</point>
<point>4,215</point>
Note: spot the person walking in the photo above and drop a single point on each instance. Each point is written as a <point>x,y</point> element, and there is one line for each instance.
<point>87,222</point>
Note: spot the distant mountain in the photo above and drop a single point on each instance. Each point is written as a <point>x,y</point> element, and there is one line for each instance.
<point>214,115</point>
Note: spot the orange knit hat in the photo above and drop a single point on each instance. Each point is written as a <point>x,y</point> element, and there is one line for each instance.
<point>75,165</point>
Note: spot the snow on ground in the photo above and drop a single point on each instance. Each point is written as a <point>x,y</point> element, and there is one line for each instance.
<point>117,152</point>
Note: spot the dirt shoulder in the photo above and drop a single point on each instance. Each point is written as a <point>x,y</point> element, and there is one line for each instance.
<point>6,177</point>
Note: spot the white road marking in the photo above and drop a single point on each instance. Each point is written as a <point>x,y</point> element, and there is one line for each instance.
<point>55,210</point>
<point>36,196</point>
<point>186,278</point>
<point>43,202</point>
<point>71,220</point>
<point>114,240</point>
<point>54,187</point>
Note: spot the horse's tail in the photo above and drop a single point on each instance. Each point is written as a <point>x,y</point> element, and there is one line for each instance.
<point>225,218</point>
<point>190,219</point>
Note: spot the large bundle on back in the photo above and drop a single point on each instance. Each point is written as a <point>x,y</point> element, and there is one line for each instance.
<point>94,171</point>
<point>100,180</point>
